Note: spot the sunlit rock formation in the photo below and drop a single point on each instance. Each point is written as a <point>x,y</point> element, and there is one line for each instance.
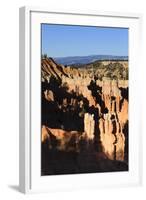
<point>89,125</point>
<point>81,105</point>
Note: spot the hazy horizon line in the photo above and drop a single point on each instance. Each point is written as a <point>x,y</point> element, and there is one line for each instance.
<point>86,55</point>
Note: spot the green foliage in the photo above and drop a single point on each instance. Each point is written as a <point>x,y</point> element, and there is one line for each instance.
<point>113,70</point>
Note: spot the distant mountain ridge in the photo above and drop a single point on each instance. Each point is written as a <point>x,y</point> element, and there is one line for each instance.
<point>72,60</point>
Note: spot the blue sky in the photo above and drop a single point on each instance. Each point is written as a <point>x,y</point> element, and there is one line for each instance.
<point>68,40</point>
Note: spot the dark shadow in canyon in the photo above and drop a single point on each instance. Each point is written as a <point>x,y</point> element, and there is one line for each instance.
<point>96,93</point>
<point>126,150</point>
<point>55,162</point>
<point>57,114</point>
<point>124,94</point>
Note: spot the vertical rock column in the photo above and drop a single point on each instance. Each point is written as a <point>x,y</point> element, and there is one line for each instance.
<point>89,125</point>
<point>106,136</point>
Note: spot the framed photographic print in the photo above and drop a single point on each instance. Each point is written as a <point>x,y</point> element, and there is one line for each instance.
<point>79,109</point>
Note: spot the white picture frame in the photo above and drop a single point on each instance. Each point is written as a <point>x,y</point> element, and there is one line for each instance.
<point>29,144</point>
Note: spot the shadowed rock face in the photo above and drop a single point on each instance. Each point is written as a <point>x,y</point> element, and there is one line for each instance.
<point>84,114</point>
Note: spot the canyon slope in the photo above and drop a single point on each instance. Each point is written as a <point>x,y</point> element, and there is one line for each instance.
<point>84,117</point>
